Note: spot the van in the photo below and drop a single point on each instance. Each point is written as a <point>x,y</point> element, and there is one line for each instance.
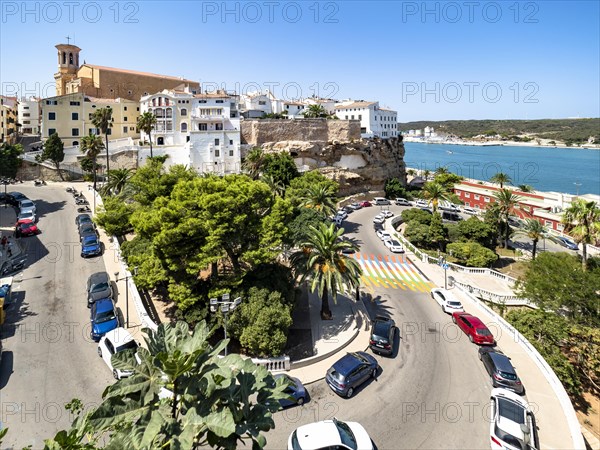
<point>451,216</point>
<point>381,201</point>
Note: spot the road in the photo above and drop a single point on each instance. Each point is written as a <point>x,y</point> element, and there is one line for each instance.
<point>433,392</point>
<point>49,357</point>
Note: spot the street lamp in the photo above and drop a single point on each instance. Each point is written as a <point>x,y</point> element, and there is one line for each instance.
<point>226,306</point>
<point>127,276</point>
<point>444,265</point>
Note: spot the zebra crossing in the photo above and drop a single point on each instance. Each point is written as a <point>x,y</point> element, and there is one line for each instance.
<point>391,271</point>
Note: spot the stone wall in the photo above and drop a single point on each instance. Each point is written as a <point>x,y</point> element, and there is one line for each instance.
<point>261,131</point>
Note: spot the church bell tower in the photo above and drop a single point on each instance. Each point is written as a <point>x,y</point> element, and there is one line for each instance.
<point>68,64</point>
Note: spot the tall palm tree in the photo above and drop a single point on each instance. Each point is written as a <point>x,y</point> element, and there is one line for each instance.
<point>583,223</point>
<point>145,123</point>
<point>434,192</point>
<point>507,202</point>
<point>441,171</point>
<point>526,188</point>
<point>426,174</point>
<point>118,181</point>
<point>103,120</point>
<point>320,198</point>
<point>254,162</point>
<point>320,260</point>
<point>501,178</point>
<point>92,146</point>
<point>535,231</point>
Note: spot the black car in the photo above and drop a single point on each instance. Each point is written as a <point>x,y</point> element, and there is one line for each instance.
<point>450,216</point>
<point>83,218</point>
<point>383,330</point>
<point>351,371</point>
<point>15,197</point>
<point>98,286</point>
<point>501,371</point>
<point>87,229</point>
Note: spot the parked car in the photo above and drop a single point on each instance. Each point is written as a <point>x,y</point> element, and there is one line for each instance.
<point>446,300</point>
<point>450,207</point>
<point>29,215</point>
<point>98,286</point>
<point>383,235</point>
<point>86,229</point>
<point>474,328</point>
<point>113,342</point>
<point>330,434</point>
<point>355,206</point>
<point>351,371</point>
<point>83,218</point>
<point>90,246</point>
<point>394,245</point>
<point>366,204</point>
<point>469,210</point>
<point>450,217</point>
<point>427,210</point>
<point>26,227</point>
<point>401,202</point>
<point>295,390</point>
<point>565,242</point>
<point>15,197</point>
<point>349,209</point>
<point>378,219</point>
<point>501,371</point>
<point>26,205</point>
<point>420,203</point>
<point>383,331</point>
<point>341,213</point>
<point>387,213</point>
<point>103,317</point>
<point>381,201</point>
<point>513,424</point>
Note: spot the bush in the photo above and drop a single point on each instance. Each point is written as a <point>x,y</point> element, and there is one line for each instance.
<point>114,216</point>
<point>416,214</point>
<point>472,254</point>
<point>417,233</point>
<point>475,230</point>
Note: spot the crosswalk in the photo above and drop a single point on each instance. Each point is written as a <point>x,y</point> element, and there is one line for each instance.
<point>391,271</point>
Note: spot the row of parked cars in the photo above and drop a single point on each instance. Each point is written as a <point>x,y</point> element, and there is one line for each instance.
<point>88,236</point>
<point>26,210</point>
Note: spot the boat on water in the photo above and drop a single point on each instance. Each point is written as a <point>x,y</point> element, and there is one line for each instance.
<point>449,152</point>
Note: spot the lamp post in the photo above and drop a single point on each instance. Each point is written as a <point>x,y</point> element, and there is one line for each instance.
<point>226,305</point>
<point>127,276</point>
<point>444,265</point>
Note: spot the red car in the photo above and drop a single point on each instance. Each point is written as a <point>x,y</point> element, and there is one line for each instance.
<point>26,227</point>
<point>474,328</point>
<point>365,203</point>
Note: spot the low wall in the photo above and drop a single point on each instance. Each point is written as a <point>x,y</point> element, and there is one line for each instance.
<point>260,131</point>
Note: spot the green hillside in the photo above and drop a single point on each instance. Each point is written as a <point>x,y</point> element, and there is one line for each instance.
<point>574,131</point>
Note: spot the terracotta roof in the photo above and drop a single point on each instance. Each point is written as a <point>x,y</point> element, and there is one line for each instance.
<point>133,72</point>
<point>355,105</point>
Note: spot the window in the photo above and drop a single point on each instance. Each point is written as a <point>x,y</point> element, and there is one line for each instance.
<point>217,153</point>
<point>202,126</point>
<point>125,119</point>
<point>219,101</point>
<point>75,142</point>
<point>201,101</point>
<point>476,196</point>
<point>74,131</point>
<point>131,128</point>
<point>25,107</point>
<point>26,122</point>
<point>217,142</point>
<point>230,141</point>
<point>51,131</point>
<point>51,116</point>
<point>184,112</point>
<point>109,131</point>
<point>467,204</point>
<point>75,103</point>
<point>467,195</point>
<point>487,199</point>
<point>218,126</point>
<point>74,116</point>
<point>230,152</point>
<point>352,116</point>
<point>360,117</point>
<point>262,103</point>
<point>363,130</point>
<point>346,118</point>
<point>26,115</point>
<point>90,116</point>
<point>183,127</point>
<point>548,223</point>
<point>124,130</point>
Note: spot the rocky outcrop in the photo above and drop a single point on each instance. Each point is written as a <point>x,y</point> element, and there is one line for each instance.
<point>258,132</point>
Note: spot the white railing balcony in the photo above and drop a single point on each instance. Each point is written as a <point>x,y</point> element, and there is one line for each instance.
<point>210,117</point>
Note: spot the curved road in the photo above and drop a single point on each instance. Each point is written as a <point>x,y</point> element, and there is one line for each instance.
<point>48,357</point>
<point>433,393</point>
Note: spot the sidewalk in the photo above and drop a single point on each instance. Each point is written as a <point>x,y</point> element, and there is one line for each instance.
<point>551,419</point>
<point>349,331</point>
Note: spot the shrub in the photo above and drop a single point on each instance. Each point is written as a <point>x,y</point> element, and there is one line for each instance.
<point>416,214</point>
<point>472,254</point>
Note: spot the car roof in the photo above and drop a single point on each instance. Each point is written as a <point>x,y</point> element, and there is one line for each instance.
<point>318,435</point>
<point>98,277</point>
<point>502,362</point>
<point>474,320</point>
<point>346,363</point>
<point>119,336</point>
<point>81,216</point>
<point>104,304</point>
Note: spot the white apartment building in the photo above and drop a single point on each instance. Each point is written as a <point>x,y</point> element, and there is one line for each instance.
<point>254,105</point>
<point>29,113</point>
<point>201,131</point>
<point>374,120</point>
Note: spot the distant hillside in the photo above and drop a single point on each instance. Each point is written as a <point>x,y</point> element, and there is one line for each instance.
<point>573,131</point>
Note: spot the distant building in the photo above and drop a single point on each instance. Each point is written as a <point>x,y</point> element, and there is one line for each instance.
<point>374,120</point>
<point>29,113</point>
<point>255,105</point>
<point>8,119</point>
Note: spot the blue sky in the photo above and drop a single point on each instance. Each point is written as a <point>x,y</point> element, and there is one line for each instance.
<point>427,60</point>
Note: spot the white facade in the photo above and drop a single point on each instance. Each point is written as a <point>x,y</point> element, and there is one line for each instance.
<point>374,120</point>
<point>29,116</point>
<point>201,131</point>
<point>255,104</point>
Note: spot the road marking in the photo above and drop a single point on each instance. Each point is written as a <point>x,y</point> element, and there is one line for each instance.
<point>391,271</point>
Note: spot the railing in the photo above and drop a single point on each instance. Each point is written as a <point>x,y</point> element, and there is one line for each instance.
<point>492,297</point>
<point>276,364</point>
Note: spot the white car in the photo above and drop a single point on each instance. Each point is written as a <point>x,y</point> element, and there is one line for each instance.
<point>383,235</point>
<point>421,203</point>
<point>387,213</point>
<point>113,342</point>
<point>342,213</point>
<point>378,219</point>
<point>27,205</point>
<point>446,300</point>
<point>394,246</point>
<point>330,434</point>
<point>355,206</point>
<point>29,215</point>
<point>469,210</point>
<point>402,202</point>
<point>513,425</point>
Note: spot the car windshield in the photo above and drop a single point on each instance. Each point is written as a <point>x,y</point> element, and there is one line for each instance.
<point>509,438</point>
<point>105,316</point>
<point>130,345</point>
<point>26,225</point>
<point>346,435</point>
<point>511,410</point>
<point>100,287</point>
<point>380,330</point>
<point>295,443</point>
<point>452,303</point>
<point>91,241</point>
<point>483,332</point>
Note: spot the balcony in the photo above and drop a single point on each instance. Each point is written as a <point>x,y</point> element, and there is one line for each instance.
<point>209,117</point>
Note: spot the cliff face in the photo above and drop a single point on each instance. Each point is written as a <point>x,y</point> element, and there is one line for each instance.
<point>358,166</point>
<point>259,132</point>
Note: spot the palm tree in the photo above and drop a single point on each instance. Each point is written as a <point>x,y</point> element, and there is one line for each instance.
<point>501,179</point>
<point>254,162</point>
<point>92,146</point>
<point>426,174</point>
<point>535,231</point>
<point>583,223</point>
<point>434,192</point>
<point>320,198</point>
<point>276,186</point>
<point>145,123</point>
<point>411,172</point>
<point>102,119</point>
<point>118,181</point>
<point>316,111</point>
<point>441,171</point>
<point>526,188</point>
<point>320,260</point>
<point>507,201</point>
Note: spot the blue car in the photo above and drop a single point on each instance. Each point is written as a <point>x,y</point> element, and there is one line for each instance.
<point>295,391</point>
<point>567,243</point>
<point>350,372</point>
<point>103,317</point>
<point>90,246</point>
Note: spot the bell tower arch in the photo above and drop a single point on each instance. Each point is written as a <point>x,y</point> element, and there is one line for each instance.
<point>68,65</point>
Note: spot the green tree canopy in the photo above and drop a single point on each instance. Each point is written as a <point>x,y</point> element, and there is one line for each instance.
<point>146,123</point>
<point>299,187</point>
<point>394,188</point>
<point>475,230</point>
<point>416,214</point>
<point>472,254</point>
<point>281,167</point>
<point>53,151</point>
<point>438,233</point>
<point>9,159</point>
<point>583,223</point>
